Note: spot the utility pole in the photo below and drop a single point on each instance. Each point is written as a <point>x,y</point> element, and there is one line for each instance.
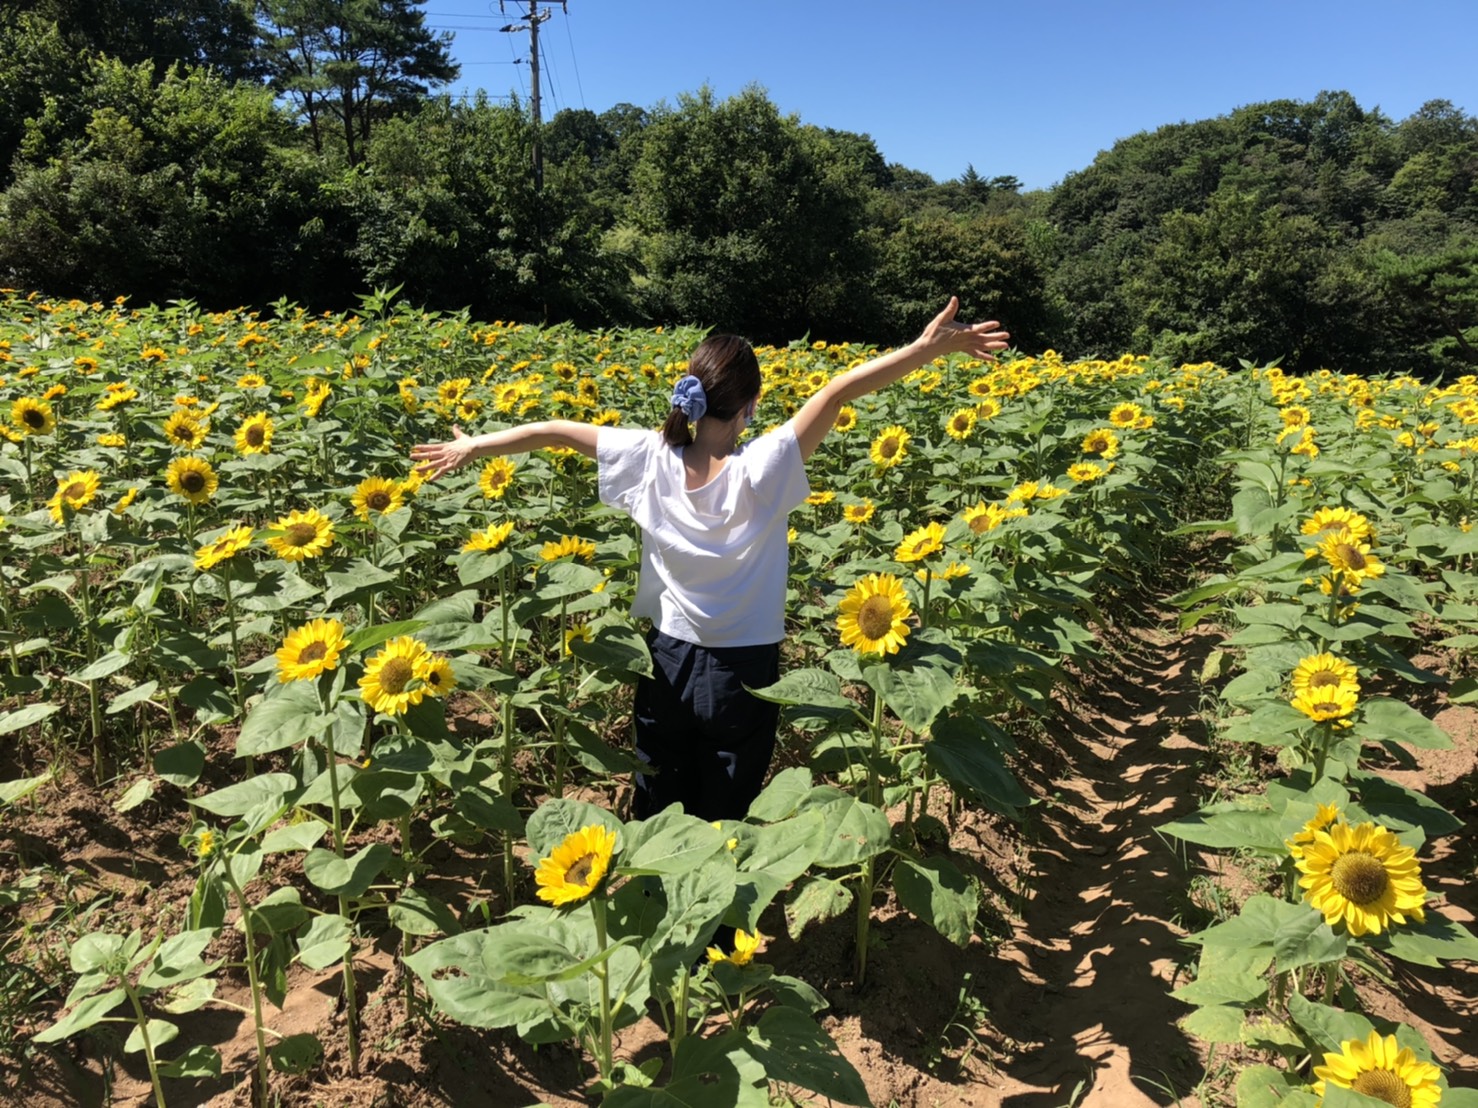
<point>532,20</point>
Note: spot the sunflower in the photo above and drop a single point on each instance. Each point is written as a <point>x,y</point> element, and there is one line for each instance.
<point>376,495</point>
<point>1362,875</point>
<point>1294,415</point>
<point>74,492</point>
<point>232,543</point>
<point>436,674</point>
<point>1022,492</point>
<point>1341,520</point>
<point>1328,703</point>
<point>890,447</point>
<point>185,429</point>
<point>34,417</point>
<point>988,408</point>
<point>301,535</point>
<point>959,425</point>
<point>919,544</point>
<point>496,478</point>
<point>873,615</point>
<point>1306,444</point>
<point>116,397</point>
<point>490,538</point>
<point>1353,560</point>
<point>1102,442</point>
<point>846,418</point>
<point>254,436</point>
<point>311,649</point>
<point>569,545</point>
<point>745,947</point>
<point>1125,415</point>
<point>192,478</point>
<point>1083,472</point>
<point>580,631</point>
<point>1323,671</point>
<point>251,381</point>
<point>1382,1068</point>
<point>858,513</point>
<point>126,500</point>
<point>112,440</point>
<point>392,678</point>
<point>1325,816</point>
<point>948,573</point>
<point>576,867</point>
<point>825,496</point>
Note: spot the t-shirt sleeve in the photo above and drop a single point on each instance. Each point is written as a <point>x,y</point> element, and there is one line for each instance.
<point>777,472</point>
<point>621,457</point>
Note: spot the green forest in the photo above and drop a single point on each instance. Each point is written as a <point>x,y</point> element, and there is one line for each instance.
<point>230,152</point>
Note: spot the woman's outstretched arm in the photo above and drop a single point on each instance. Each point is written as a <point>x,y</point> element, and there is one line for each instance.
<point>942,336</point>
<point>435,458</point>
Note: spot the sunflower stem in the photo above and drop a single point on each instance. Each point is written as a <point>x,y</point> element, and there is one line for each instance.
<point>864,920</point>
<point>94,706</point>
<point>235,645</point>
<point>680,1013</point>
<point>1326,730</point>
<point>508,789</point>
<point>252,980</point>
<point>143,1024</point>
<point>602,971</point>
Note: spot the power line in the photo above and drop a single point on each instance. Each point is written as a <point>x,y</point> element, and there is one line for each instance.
<point>575,61</point>
<point>553,83</point>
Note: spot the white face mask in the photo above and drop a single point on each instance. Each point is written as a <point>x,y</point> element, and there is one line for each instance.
<point>749,412</point>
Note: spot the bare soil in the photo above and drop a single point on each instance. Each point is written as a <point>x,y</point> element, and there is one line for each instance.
<point>1061,998</point>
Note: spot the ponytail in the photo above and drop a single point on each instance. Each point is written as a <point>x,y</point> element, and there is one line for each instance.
<point>725,373</point>
<point>676,431</point>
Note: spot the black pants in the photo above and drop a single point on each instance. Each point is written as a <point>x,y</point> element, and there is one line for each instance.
<point>708,741</point>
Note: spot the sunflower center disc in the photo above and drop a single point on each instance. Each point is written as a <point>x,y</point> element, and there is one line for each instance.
<point>1324,679</point>
<point>379,501</point>
<point>396,674</point>
<point>1351,557</point>
<point>1384,1085</point>
<point>75,491</point>
<point>888,448</point>
<point>579,873</point>
<point>301,534</point>
<point>35,419</point>
<point>255,435</point>
<point>1360,878</point>
<point>313,652</point>
<point>875,617</point>
<point>192,482</point>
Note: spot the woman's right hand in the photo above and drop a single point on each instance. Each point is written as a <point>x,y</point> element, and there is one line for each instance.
<point>435,458</point>
<point>979,340</point>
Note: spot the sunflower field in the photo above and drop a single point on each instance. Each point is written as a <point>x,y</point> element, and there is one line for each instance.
<point>231,607</point>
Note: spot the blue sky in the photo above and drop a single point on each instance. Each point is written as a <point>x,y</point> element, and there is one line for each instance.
<point>1033,89</point>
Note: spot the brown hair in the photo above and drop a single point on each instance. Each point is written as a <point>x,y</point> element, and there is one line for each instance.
<point>729,372</point>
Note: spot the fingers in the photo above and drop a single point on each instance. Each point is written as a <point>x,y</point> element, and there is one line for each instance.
<point>947,315</point>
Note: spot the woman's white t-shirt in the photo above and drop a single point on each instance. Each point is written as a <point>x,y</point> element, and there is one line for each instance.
<point>714,560</point>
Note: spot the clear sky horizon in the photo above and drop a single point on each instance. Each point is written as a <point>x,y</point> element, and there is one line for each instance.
<point>1033,91</point>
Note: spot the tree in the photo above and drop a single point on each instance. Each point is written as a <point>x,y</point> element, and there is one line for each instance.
<point>751,221</point>
<point>444,205</point>
<point>983,259</point>
<point>214,33</point>
<point>160,191</point>
<point>353,62</point>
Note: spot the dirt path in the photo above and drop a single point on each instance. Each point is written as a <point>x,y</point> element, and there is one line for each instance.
<point>1081,989</point>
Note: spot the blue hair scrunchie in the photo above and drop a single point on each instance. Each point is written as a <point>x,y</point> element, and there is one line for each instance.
<point>688,395</point>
